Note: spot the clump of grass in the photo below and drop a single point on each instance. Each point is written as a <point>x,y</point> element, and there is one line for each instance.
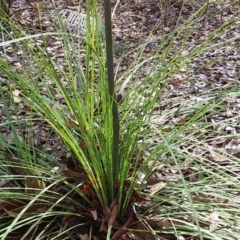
<point>95,183</point>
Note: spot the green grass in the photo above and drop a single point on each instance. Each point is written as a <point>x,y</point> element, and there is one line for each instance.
<point>66,103</point>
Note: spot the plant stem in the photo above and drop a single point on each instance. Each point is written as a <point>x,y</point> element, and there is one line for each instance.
<point>110,75</point>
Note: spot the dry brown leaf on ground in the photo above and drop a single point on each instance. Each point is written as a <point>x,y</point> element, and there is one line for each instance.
<point>156,187</point>
<point>113,215</point>
<point>214,221</point>
<point>219,155</point>
<point>16,94</point>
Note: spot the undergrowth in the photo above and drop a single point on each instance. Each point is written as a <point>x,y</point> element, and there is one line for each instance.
<point>163,179</point>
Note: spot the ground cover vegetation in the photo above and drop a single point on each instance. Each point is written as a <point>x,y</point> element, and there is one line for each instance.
<point>135,138</point>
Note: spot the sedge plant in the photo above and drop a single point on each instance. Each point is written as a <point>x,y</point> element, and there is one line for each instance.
<point>111,146</point>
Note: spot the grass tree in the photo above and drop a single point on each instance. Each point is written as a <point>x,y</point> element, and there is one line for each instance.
<point>112,141</point>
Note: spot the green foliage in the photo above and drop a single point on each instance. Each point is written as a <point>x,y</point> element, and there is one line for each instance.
<point>75,98</point>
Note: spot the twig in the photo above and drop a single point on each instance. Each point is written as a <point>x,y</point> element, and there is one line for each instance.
<point>115,7</point>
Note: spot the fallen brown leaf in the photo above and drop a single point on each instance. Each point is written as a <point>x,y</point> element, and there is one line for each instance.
<point>113,215</point>
<point>156,187</point>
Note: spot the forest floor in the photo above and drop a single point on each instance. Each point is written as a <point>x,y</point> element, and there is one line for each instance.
<point>133,23</point>
<point>200,81</point>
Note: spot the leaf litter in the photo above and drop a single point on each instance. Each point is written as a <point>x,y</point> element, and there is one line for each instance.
<point>205,74</point>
